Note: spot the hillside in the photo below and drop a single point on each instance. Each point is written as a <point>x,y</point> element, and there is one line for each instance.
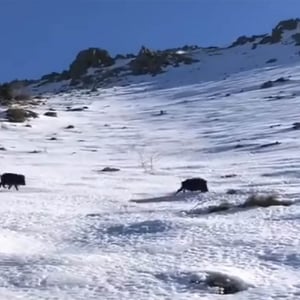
<point>79,230</point>
<point>95,68</point>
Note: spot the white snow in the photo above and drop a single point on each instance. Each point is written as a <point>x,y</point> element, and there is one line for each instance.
<point>72,233</point>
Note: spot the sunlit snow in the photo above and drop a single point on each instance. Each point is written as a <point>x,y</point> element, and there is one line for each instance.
<point>72,231</point>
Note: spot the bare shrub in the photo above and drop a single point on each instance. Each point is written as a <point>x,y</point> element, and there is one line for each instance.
<point>20,92</point>
<point>18,115</point>
<point>147,160</point>
<point>14,91</point>
<point>218,208</point>
<point>253,201</point>
<point>256,200</point>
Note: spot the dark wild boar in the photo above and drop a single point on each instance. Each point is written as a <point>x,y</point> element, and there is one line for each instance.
<point>12,179</point>
<point>193,184</point>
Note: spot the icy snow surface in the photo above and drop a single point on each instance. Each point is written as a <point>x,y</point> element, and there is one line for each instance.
<point>72,231</point>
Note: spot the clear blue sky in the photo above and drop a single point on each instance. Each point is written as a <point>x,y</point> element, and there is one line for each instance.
<point>42,36</point>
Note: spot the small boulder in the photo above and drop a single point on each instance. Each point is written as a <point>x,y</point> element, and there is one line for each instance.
<point>271,61</point>
<point>50,114</point>
<point>110,169</point>
<point>296,126</point>
<point>231,192</point>
<point>225,284</point>
<point>269,144</point>
<point>77,108</point>
<point>266,85</point>
<point>228,176</point>
<point>281,79</point>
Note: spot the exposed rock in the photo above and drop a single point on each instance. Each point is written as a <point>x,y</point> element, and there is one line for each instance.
<point>272,98</point>
<point>35,152</point>
<point>77,108</point>
<point>120,56</point>
<point>270,83</point>
<point>278,125</point>
<point>188,48</point>
<point>212,282</point>
<point>242,40</point>
<point>89,58</point>
<point>296,37</point>
<point>226,284</point>
<point>70,127</point>
<point>231,192</point>
<point>18,115</point>
<point>271,61</point>
<point>290,24</point>
<point>153,62</point>
<point>55,77</point>
<point>93,215</point>
<point>254,46</point>
<point>266,85</point>
<point>130,55</point>
<point>50,114</point>
<point>160,113</point>
<point>239,146</point>
<point>91,69</point>
<point>93,89</point>
<point>282,26</point>
<point>229,176</point>
<point>270,144</point>
<point>110,169</point>
<point>281,79</point>
<point>296,126</point>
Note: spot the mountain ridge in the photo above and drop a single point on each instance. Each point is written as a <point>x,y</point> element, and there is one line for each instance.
<point>95,68</point>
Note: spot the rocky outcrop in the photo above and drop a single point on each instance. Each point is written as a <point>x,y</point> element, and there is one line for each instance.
<point>242,40</point>
<point>89,58</point>
<point>95,68</point>
<point>273,38</point>
<point>55,77</point>
<point>296,38</point>
<point>154,62</point>
<point>277,32</point>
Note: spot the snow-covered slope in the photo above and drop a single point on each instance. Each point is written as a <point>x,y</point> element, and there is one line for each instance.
<point>188,63</point>
<point>72,232</point>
